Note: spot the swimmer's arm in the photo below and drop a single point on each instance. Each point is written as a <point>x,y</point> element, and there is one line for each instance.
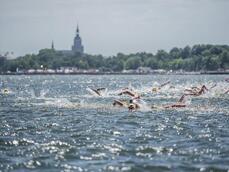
<point>182,98</point>
<point>117,102</point>
<point>127,92</point>
<point>175,106</point>
<point>213,86</point>
<point>120,103</point>
<point>227,91</point>
<point>97,92</point>
<point>189,90</point>
<point>184,95</point>
<point>194,88</point>
<point>164,84</point>
<point>204,88</point>
<point>100,89</point>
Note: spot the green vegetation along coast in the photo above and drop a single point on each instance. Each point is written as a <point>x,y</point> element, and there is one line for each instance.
<point>196,58</point>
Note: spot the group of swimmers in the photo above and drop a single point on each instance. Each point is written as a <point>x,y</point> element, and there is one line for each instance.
<point>134,102</point>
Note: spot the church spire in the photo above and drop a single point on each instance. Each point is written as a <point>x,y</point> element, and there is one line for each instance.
<point>77,30</point>
<point>52,45</point>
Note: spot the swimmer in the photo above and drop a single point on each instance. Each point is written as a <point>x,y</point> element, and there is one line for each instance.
<point>155,89</point>
<point>201,91</point>
<point>5,91</point>
<point>133,94</point>
<point>98,90</point>
<point>195,91</point>
<point>176,105</point>
<point>192,89</point>
<point>179,104</point>
<point>133,106</point>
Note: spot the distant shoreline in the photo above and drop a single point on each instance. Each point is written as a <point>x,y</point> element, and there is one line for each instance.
<point>121,73</point>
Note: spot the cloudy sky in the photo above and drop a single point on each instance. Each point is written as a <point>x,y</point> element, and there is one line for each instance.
<point>111,26</point>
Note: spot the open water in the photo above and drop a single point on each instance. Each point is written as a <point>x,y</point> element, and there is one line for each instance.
<point>53,123</point>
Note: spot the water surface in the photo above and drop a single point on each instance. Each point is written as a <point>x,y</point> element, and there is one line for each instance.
<point>52,123</point>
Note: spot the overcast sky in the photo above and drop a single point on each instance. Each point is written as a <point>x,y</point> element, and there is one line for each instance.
<point>111,26</point>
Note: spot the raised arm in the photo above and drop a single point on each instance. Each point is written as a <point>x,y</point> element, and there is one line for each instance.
<point>128,93</point>
<point>100,89</point>
<point>164,84</point>
<point>213,86</point>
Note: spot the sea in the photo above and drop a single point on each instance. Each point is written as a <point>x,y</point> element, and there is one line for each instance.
<point>56,123</point>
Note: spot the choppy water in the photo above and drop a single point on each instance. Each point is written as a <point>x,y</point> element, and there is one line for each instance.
<point>52,123</point>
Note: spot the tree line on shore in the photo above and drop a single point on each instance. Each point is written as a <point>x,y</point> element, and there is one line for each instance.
<point>195,58</point>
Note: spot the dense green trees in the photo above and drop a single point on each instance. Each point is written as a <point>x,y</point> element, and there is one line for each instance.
<point>196,58</point>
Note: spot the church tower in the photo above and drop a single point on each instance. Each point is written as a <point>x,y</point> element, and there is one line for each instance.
<point>77,46</point>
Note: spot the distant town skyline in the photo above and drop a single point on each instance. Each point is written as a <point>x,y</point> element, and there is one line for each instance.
<point>111,26</point>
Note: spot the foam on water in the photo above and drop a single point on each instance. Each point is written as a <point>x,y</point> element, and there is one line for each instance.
<point>168,92</point>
